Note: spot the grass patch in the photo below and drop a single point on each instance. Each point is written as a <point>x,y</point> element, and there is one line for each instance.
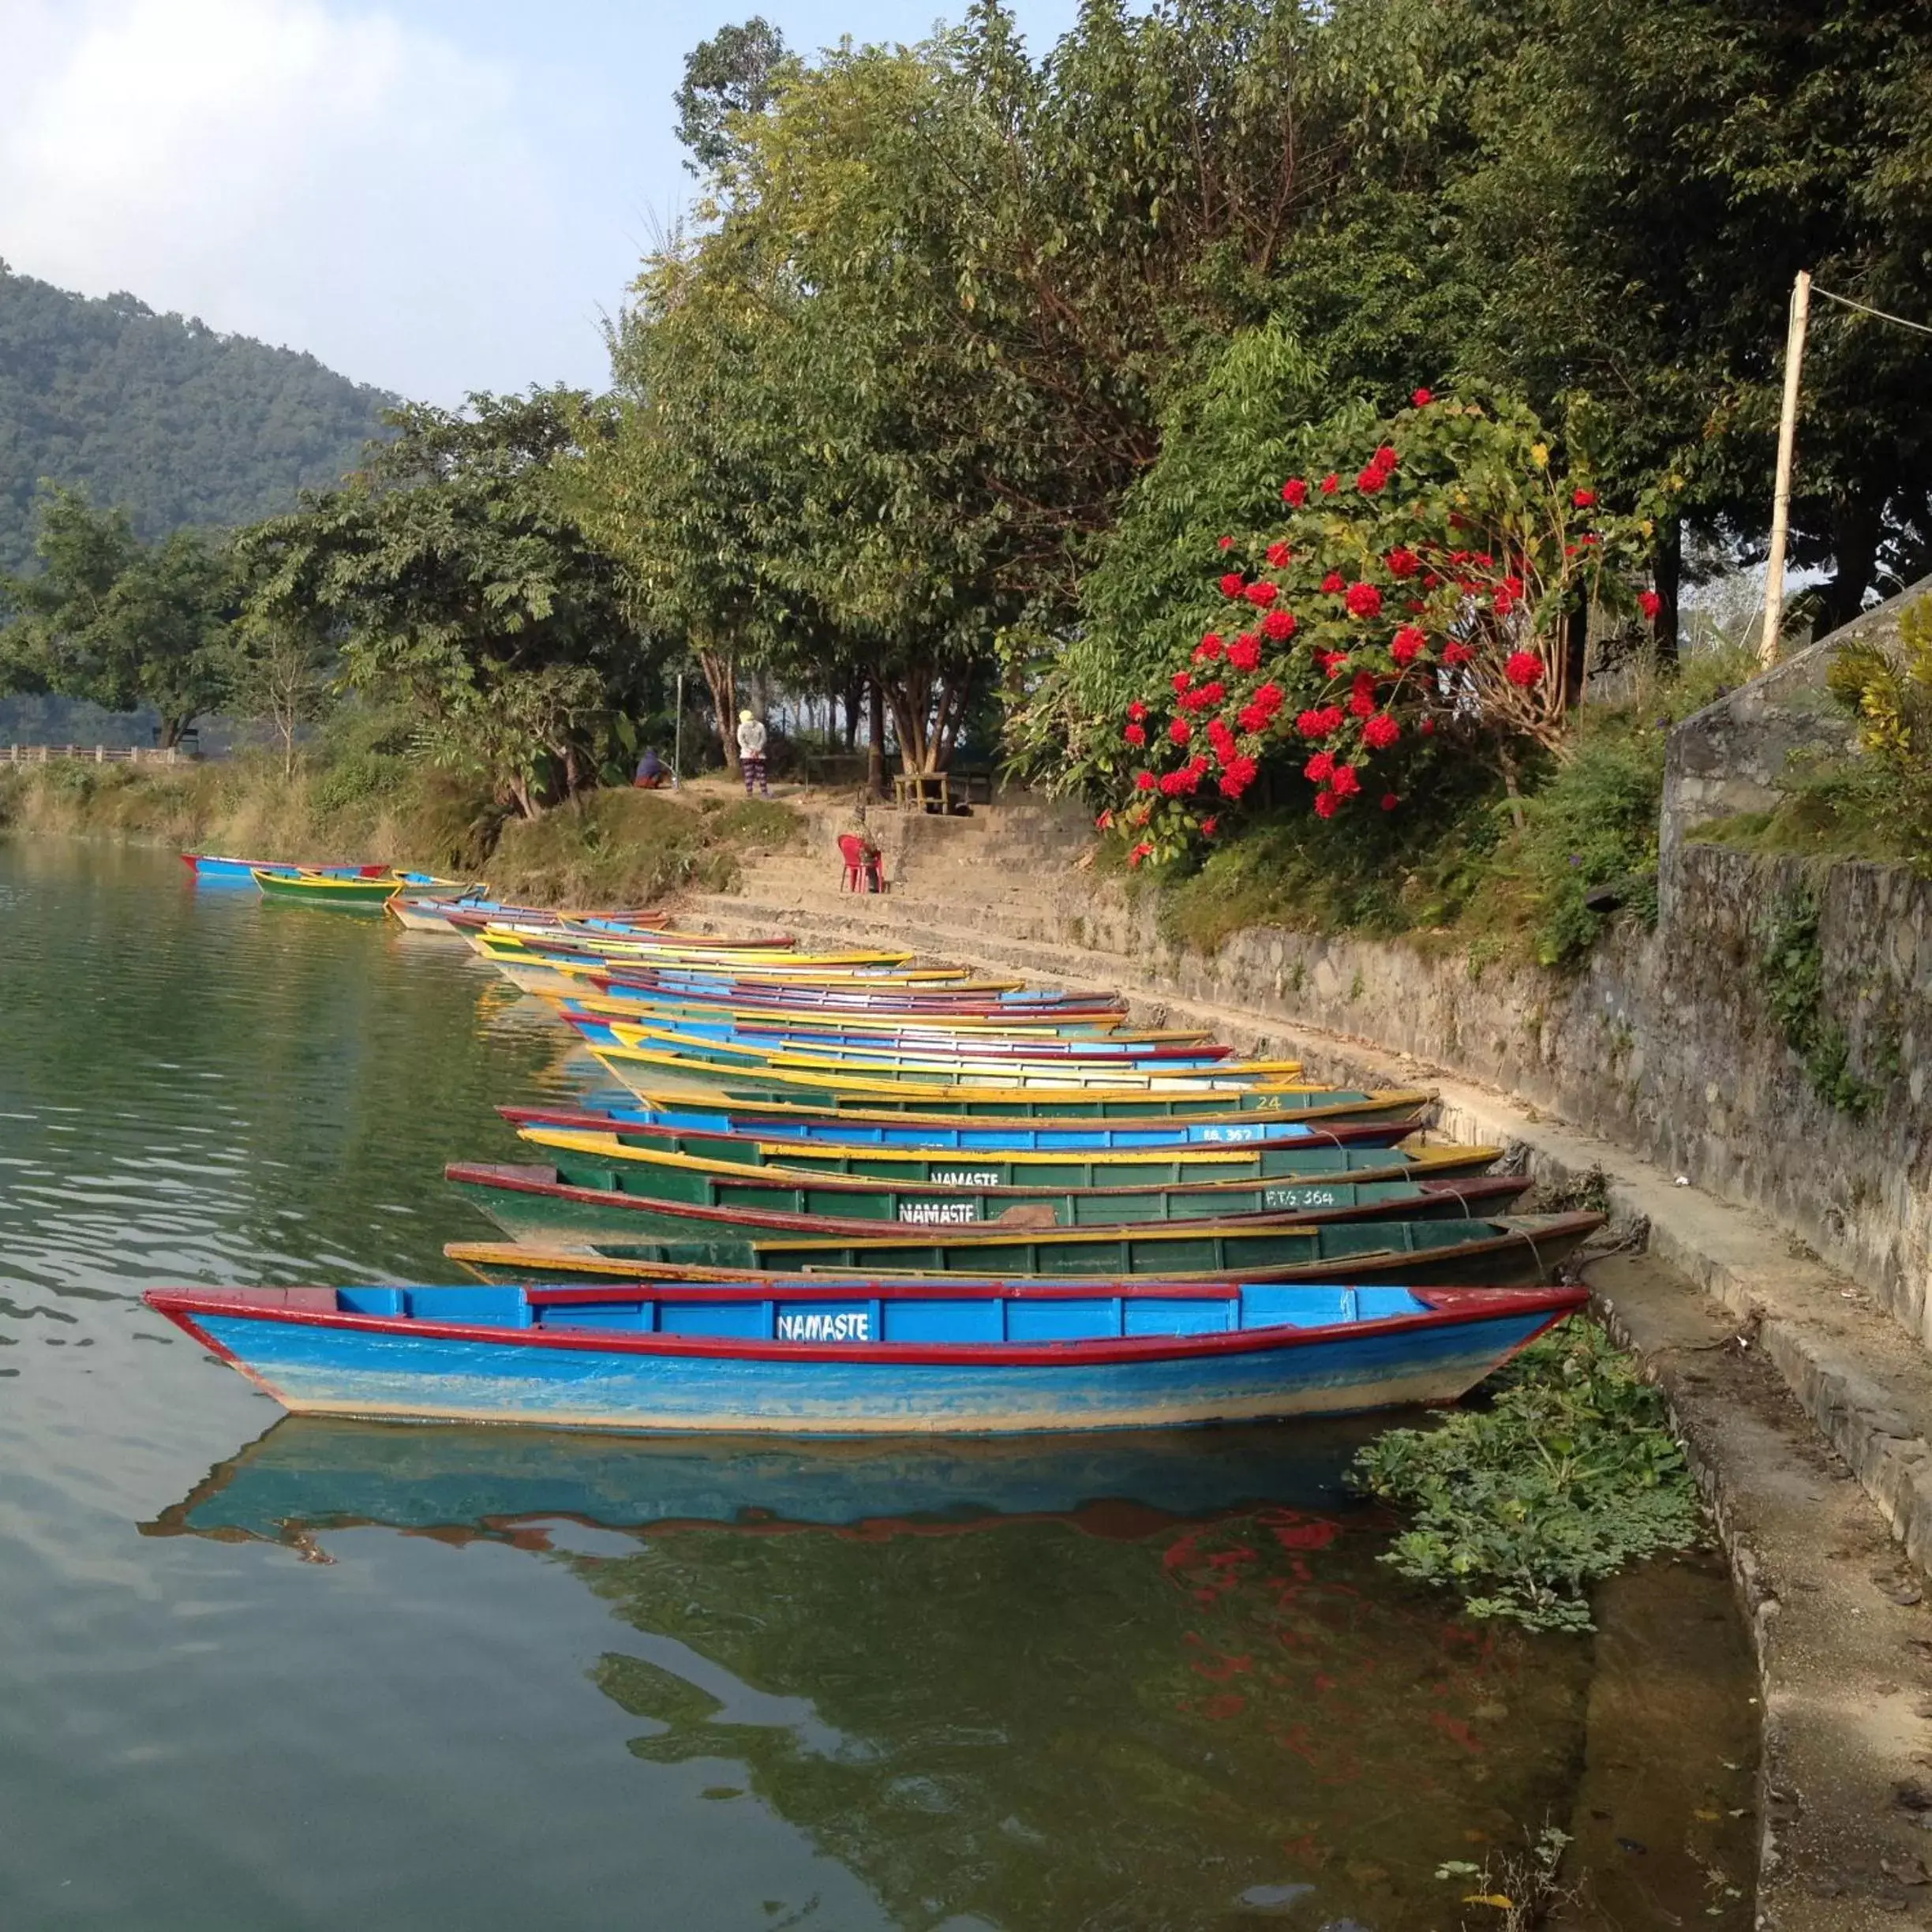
<point>1841,809</point>
<point>1568,1475</point>
<point>627,848</point>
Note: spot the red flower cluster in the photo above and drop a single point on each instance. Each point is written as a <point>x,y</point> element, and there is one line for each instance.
<point>1380,468</point>
<point>1584,498</point>
<point>1232,584</point>
<point>1456,652</point>
<point>1364,600</point>
<point>1208,649</point>
<point>1423,398</point>
<point>1381,732</point>
<point>1402,562</point>
<point>1180,731</point>
<point>1330,484</point>
<point>1280,625</point>
<point>1320,723</point>
<point>1144,781</point>
<point>1279,556</point>
<point>1238,777</point>
<point>1244,652</point>
<point>1136,710</point>
<point>1524,669</point>
<point>1181,680</point>
<point>1294,492</point>
<point>1259,712</point>
<point>1332,583</point>
<point>1263,594</point>
<point>1406,645</point>
<point>1227,543</point>
<point>1139,852</point>
<point>1135,734</point>
<point>1649,603</point>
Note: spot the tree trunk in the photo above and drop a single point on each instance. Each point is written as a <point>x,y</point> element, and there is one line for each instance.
<point>1575,655</point>
<point>1669,567</point>
<point>721,674</point>
<point>875,739</point>
<point>1854,552</point>
<point>854,695</point>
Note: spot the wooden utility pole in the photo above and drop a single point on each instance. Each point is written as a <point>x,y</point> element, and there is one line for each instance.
<point>1781,501</point>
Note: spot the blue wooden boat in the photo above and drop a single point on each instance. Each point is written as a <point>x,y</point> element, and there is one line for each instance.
<point>874,1357</point>
<point>212,869</point>
<point>1017,1137</point>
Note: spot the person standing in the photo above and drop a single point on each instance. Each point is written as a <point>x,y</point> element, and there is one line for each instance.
<point>751,753</point>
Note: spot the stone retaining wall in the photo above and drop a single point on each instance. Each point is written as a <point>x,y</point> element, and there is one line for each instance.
<point>1665,1043</point>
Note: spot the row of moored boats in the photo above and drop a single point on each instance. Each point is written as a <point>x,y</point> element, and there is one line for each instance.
<point>845,1193</point>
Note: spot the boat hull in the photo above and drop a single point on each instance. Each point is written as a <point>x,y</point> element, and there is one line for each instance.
<point>1450,1251</point>
<point>346,1365</point>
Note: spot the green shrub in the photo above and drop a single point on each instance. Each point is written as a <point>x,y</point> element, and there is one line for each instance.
<point>1891,697</point>
<point>1569,1475</point>
<point>1791,975</point>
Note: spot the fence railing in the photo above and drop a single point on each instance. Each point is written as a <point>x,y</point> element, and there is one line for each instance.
<point>95,754</point>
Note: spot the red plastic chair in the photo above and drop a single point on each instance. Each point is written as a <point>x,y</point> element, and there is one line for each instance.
<point>864,873</point>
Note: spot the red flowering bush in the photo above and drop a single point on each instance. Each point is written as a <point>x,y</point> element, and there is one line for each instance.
<point>1433,594</point>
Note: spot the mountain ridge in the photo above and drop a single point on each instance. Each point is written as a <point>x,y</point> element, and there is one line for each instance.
<point>181,423</point>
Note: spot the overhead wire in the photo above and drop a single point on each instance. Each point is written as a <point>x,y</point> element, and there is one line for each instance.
<point>1846,302</point>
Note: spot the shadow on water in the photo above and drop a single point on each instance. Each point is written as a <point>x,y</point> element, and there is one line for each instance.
<point>1153,1681</point>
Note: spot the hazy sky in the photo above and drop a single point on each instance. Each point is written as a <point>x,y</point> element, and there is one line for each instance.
<point>437,196</point>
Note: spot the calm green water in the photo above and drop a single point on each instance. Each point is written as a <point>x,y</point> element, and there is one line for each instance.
<point>299,1674</point>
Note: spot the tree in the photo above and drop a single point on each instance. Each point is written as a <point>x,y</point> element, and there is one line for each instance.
<point>459,579</point>
<point>117,623</point>
<point>1430,577</point>
<point>735,72</point>
<point>1648,180</point>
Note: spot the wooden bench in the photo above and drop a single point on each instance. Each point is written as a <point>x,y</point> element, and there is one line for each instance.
<point>915,791</point>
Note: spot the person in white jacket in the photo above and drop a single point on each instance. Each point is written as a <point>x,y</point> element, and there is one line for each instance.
<point>751,753</point>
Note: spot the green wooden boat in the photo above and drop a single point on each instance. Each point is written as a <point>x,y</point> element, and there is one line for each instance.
<point>543,1211</point>
<point>359,895</point>
<point>662,1082</point>
<point>1076,1170</point>
<point>611,1194</point>
<point>1520,1251</point>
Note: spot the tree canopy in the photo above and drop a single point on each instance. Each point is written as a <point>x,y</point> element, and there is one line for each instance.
<point>459,578</point>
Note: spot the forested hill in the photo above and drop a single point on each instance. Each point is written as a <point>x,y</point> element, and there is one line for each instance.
<point>182,425</point>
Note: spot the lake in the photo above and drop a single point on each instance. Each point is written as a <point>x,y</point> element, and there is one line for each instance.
<point>293,1673</point>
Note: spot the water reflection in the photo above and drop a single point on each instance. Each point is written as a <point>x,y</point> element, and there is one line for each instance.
<point>1157,1681</point>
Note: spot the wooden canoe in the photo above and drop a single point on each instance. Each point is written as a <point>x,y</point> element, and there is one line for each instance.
<point>530,1202</point>
<point>356,894</point>
<point>660,1080</point>
<point>920,1135</point>
<point>664,1185</point>
<point>596,1136</point>
<point>884,1358</point>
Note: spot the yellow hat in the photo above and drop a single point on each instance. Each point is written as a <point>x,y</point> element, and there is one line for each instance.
<point>744,717</point>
